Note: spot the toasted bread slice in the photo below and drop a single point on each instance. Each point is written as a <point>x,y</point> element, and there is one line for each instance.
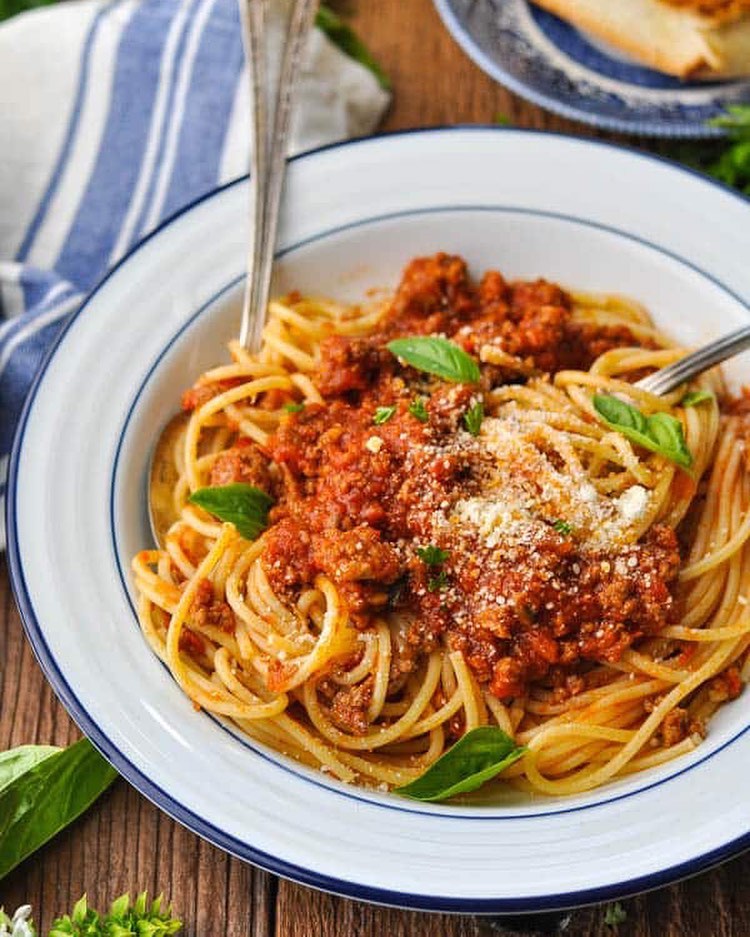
<point>686,38</point>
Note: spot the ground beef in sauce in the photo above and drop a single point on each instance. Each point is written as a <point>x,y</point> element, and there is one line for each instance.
<point>209,611</point>
<point>244,462</point>
<point>355,499</point>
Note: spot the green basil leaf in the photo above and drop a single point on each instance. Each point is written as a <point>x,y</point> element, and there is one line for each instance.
<point>47,797</point>
<point>620,414</point>
<point>563,528</point>
<point>659,432</point>
<point>243,505</point>
<point>473,418</point>
<point>694,397</point>
<point>438,356</point>
<point>17,761</point>
<point>294,407</point>
<point>477,757</point>
<point>349,42</point>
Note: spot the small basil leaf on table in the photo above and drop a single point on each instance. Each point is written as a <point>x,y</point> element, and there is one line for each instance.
<point>475,758</point>
<point>438,356</point>
<point>240,504</point>
<point>659,432</point>
<point>48,796</point>
<point>694,397</point>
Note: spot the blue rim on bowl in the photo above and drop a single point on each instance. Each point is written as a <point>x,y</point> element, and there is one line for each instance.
<point>222,838</point>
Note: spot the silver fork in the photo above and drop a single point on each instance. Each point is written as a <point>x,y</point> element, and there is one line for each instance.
<point>668,379</point>
<point>269,140</point>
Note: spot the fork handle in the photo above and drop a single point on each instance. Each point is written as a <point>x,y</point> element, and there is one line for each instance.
<point>269,145</point>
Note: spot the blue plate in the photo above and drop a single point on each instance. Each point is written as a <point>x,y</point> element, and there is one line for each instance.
<point>549,62</point>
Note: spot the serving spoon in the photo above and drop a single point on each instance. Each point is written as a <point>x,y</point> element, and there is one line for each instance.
<point>269,145</point>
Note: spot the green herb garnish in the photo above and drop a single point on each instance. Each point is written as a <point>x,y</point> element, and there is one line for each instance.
<point>733,165</point>
<point>349,42</point>
<point>382,415</point>
<point>124,919</point>
<point>418,410</point>
<point>243,505</point>
<point>476,758</point>
<point>439,582</point>
<point>11,7</point>
<point>563,527</point>
<point>694,397</point>
<point>659,432</point>
<point>438,356</point>
<point>432,556</point>
<point>726,159</point>
<point>615,914</point>
<point>42,790</point>
<point>294,407</point>
<point>473,418</point>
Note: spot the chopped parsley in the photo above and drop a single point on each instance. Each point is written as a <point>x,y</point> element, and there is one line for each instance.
<point>382,415</point>
<point>563,527</point>
<point>473,418</point>
<point>418,409</point>
<point>432,556</point>
<point>294,407</point>
<point>439,582</point>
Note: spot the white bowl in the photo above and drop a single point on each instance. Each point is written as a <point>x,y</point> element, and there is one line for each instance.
<point>582,213</point>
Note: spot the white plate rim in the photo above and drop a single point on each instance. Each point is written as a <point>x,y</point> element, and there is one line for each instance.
<point>184,815</point>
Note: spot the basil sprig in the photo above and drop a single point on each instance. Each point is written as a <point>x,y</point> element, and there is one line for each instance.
<point>125,918</point>
<point>659,432</point>
<point>240,504</point>
<point>476,758</point>
<point>438,356</point>
<point>42,790</point>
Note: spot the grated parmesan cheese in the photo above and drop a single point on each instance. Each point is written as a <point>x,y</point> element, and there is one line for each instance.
<point>632,504</point>
<point>524,492</point>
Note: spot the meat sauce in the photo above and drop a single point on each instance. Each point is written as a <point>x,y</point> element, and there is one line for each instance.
<point>357,499</point>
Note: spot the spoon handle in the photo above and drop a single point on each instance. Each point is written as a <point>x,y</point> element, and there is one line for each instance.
<point>270,144</point>
<point>668,379</point>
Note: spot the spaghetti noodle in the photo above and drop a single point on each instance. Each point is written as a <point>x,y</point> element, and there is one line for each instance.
<point>444,555</point>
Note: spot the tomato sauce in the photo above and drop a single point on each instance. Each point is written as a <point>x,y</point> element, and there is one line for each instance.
<point>360,495</point>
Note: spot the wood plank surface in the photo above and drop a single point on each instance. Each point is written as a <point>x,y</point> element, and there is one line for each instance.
<point>125,843</point>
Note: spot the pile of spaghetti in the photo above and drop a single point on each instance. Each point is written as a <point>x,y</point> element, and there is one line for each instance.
<point>451,529</point>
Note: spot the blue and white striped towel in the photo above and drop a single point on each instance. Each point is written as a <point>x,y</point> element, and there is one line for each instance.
<point>112,116</point>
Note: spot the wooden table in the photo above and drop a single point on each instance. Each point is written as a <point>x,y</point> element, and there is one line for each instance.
<point>124,843</point>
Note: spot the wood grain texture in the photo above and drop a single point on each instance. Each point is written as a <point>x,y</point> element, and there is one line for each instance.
<point>125,843</point>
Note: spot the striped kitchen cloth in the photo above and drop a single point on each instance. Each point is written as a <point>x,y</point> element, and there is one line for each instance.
<point>113,116</point>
